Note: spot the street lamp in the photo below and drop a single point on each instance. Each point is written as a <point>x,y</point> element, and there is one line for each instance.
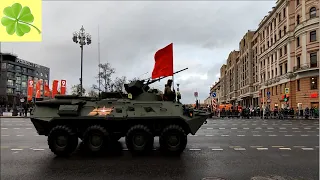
<point>82,38</point>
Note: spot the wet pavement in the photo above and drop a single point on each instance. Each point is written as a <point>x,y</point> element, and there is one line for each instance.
<point>225,149</point>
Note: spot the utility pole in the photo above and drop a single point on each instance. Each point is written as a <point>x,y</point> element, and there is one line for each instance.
<point>99,78</point>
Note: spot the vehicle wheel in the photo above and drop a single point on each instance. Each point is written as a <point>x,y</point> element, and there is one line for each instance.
<point>95,139</point>
<point>139,139</point>
<point>173,140</point>
<point>62,140</point>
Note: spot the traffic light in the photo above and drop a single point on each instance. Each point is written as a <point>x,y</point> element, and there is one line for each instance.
<point>286,99</point>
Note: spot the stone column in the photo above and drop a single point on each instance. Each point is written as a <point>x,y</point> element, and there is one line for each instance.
<point>289,57</point>
<point>303,43</point>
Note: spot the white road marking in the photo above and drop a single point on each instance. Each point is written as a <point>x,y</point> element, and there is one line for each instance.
<point>240,135</point>
<point>258,128</point>
<point>224,135</point>
<point>285,148</point>
<point>261,149</point>
<point>16,149</point>
<point>28,128</point>
<point>20,135</point>
<point>222,128</point>
<point>16,128</point>
<point>195,149</point>
<point>264,124</point>
<point>256,135</point>
<point>234,128</point>
<point>239,149</point>
<point>217,149</point>
<point>304,135</point>
<point>307,149</point>
<point>4,128</point>
<point>311,131</point>
<point>245,128</point>
<point>270,128</point>
<point>295,128</point>
<point>4,135</point>
<point>273,135</point>
<point>282,128</point>
<point>307,128</point>
<point>288,135</point>
<point>209,128</point>
<point>209,135</point>
<point>283,131</point>
<point>38,149</point>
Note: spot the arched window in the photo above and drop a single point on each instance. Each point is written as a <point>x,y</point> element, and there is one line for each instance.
<point>313,12</point>
<point>298,19</point>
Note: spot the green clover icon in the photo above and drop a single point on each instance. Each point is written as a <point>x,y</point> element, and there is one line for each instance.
<point>18,20</point>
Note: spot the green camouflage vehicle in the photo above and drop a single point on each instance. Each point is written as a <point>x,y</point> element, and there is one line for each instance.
<point>138,116</point>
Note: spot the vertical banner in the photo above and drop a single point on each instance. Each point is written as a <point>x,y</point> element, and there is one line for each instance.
<point>54,88</point>
<point>63,86</point>
<point>30,89</point>
<point>46,90</point>
<point>38,89</point>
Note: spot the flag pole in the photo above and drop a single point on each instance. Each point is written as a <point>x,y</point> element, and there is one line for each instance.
<point>99,63</point>
<point>172,69</point>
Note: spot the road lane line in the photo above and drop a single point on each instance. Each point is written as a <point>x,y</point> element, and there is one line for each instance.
<point>4,128</point>
<point>270,128</point>
<point>20,135</point>
<point>282,128</point>
<point>306,128</point>
<point>307,149</point>
<point>258,128</point>
<point>224,135</point>
<point>304,135</point>
<point>5,135</point>
<point>295,128</point>
<point>240,135</point>
<point>239,149</point>
<point>217,149</point>
<point>246,128</point>
<point>273,135</point>
<point>28,128</point>
<point>209,128</point>
<point>195,149</point>
<point>38,149</point>
<point>222,128</point>
<point>16,149</point>
<point>262,149</point>
<point>288,135</point>
<point>234,128</point>
<point>285,148</point>
<point>256,135</point>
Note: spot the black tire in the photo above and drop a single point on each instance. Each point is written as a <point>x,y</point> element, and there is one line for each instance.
<point>95,139</point>
<point>62,140</point>
<point>176,133</point>
<point>139,133</point>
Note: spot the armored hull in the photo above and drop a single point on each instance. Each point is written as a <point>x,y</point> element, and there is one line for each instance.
<point>139,119</point>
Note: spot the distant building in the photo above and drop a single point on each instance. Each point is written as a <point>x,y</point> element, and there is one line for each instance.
<point>14,77</point>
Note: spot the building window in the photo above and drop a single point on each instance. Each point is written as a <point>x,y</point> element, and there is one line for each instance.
<point>280,69</point>
<point>24,84</point>
<point>24,70</point>
<point>298,2</point>
<point>285,67</point>
<point>9,90</point>
<point>275,37</point>
<point>285,30</point>
<point>285,49</point>
<point>314,83</point>
<point>313,12</point>
<point>3,66</point>
<point>298,85</point>
<point>279,33</point>
<point>9,82</point>
<point>279,17</point>
<point>298,19</point>
<point>298,41</point>
<point>276,71</point>
<point>313,60</point>
<point>284,12</point>
<point>280,52</point>
<point>313,36</point>
<point>298,62</point>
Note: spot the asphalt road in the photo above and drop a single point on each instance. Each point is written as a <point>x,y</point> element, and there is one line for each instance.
<point>228,148</point>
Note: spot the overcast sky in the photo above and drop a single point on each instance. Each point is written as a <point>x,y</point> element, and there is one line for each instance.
<point>203,34</point>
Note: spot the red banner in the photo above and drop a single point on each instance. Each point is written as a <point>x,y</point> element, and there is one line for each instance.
<point>30,89</point>
<point>63,86</point>
<point>163,62</point>
<point>46,90</point>
<point>54,88</point>
<point>38,89</point>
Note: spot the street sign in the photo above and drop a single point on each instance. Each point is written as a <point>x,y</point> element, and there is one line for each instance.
<point>214,94</point>
<point>196,94</point>
<point>286,90</point>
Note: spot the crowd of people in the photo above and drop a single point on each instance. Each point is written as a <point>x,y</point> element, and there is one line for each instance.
<point>17,110</point>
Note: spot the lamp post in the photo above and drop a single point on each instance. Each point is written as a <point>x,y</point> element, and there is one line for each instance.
<point>82,38</point>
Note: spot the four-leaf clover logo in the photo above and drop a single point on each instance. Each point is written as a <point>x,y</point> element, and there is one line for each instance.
<point>18,20</point>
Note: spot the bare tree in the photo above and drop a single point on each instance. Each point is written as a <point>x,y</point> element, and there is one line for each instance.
<point>92,93</point>
<point>105,78</point>
<point>76,90</point>
<point>134,79</point>
<point>118,84</point>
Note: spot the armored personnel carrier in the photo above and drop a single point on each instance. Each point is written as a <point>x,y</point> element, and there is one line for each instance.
<point>138,116</point>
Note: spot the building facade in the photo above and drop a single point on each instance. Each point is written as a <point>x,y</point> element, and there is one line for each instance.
<point>14,77</point>
<point>280,59</point>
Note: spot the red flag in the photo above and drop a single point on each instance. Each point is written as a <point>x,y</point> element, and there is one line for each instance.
<point>38,89</point>
<point>163,62</point>
<point>46,90</point>
<point>30,89</point>
<point>54,88</point>
<point>63,84</point>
